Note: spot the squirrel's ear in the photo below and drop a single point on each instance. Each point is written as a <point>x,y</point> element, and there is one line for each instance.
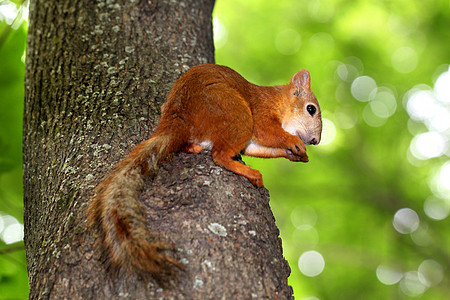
<point>301,80</point>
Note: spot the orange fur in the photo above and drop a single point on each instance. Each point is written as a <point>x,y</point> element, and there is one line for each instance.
<point>210,106</point>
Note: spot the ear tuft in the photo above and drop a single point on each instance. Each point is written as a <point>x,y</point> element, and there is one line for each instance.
<point>301,80</point>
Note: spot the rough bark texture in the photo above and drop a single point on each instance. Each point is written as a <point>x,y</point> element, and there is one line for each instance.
<point>97,74</point>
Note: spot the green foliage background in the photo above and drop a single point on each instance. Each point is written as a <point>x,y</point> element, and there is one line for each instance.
<point>342,203</point>
<point>13,272</point>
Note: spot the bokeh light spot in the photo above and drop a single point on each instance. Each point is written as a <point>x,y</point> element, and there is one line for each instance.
<point>428,145</point>
<point>388,275</point>
<point>8,12</point>
<point>220,33</point>
<point>362,87</point>
<point>422,105</point>
<point>310,298</point>
<point>436,208</point>
<point>406,220</point>
<point>328,132</point>
<point>311,263</point>
<point>440,122</point>
<point>432,272</point>
<point>379,109</point>
<point>371,118</point>
<point>411,285</point>
<point>387,98</point>
<point>12,230</point>
<point>442,87</point>
<point>346,72</point>
<point>342,71</point>
<point>444,178</point>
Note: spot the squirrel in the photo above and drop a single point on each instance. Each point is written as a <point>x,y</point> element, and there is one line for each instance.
<point>209,107</point>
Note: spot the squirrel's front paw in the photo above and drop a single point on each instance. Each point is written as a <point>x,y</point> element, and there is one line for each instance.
<point>297,150</point>
<point>292,157</point>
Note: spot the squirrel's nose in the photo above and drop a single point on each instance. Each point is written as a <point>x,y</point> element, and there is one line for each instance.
<point>313,141</point>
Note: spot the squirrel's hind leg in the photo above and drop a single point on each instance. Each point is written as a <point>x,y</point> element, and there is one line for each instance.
<point>224,158</point>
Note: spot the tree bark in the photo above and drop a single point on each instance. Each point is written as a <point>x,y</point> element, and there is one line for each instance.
<point>97,73</point>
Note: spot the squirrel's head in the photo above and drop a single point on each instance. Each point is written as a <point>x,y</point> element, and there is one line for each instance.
<point>302,116</point>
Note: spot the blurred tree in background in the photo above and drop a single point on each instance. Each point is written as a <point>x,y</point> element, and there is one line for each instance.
<point>367,217</point>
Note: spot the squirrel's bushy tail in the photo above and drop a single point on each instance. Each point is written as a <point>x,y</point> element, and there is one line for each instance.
<point>118,214</point>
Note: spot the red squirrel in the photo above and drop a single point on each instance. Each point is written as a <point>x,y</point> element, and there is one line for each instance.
<point>209,107</point>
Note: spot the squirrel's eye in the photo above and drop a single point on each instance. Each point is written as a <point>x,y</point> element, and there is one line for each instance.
<point>311,109</point>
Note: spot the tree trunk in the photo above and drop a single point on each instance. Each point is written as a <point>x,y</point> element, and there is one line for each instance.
<point>97,73</point>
